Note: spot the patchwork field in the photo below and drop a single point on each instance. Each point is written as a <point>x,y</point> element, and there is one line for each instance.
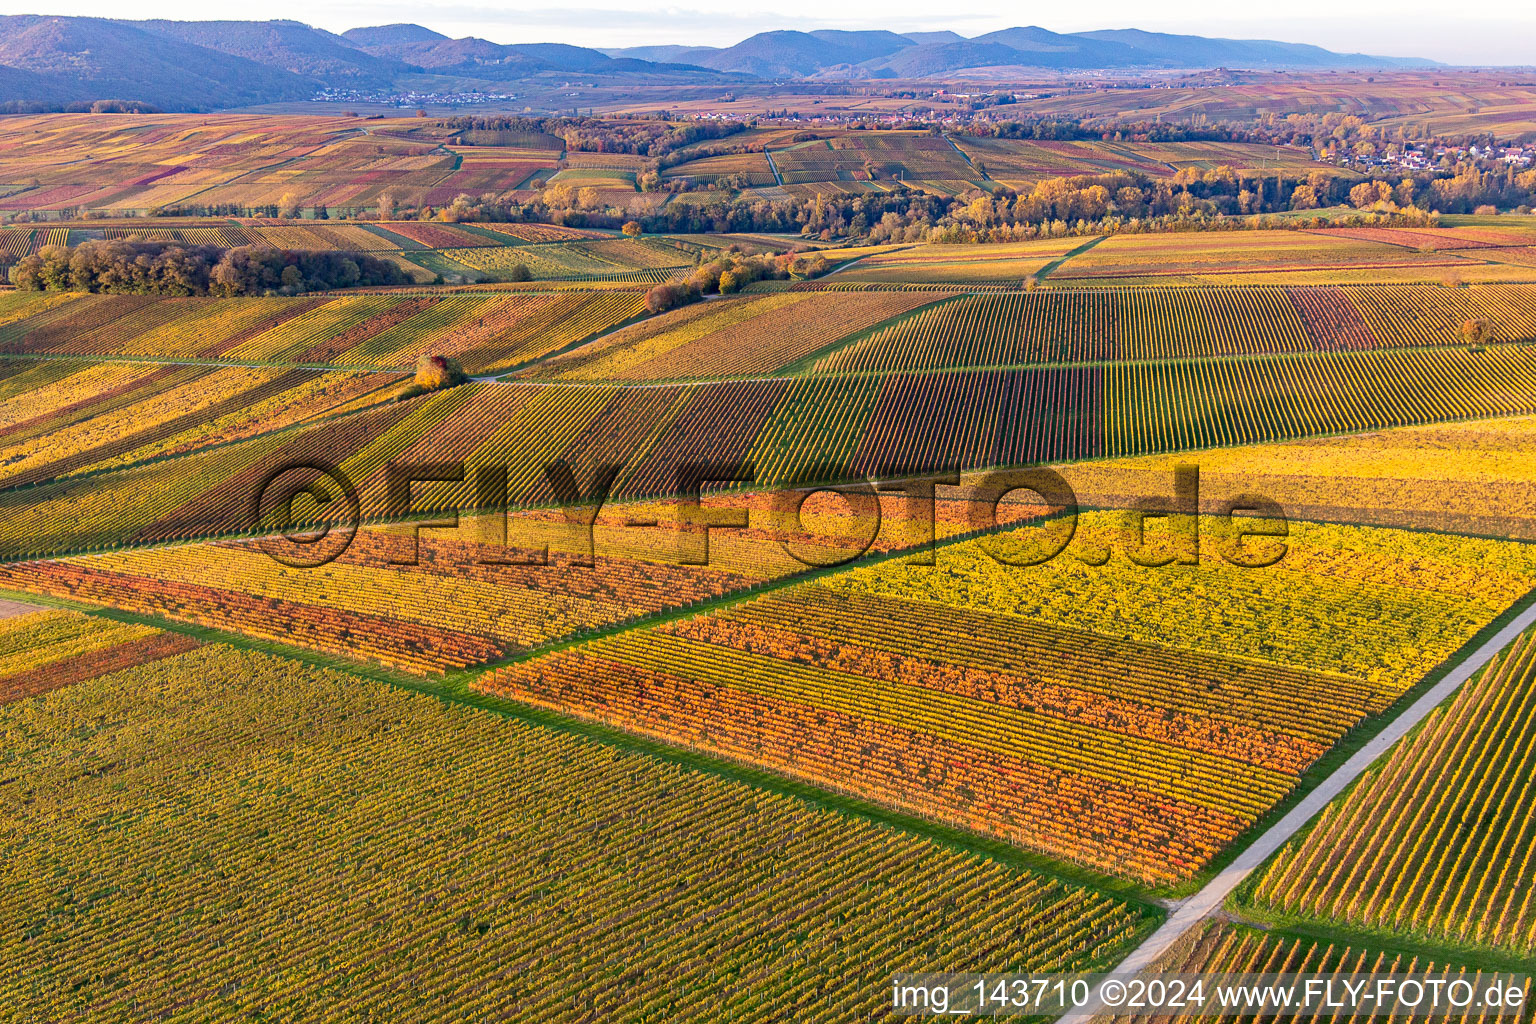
<point>747,168</point>
<point>432,600</point>
<point>957,265</point>
<point>484,331</point>
<point>837,161</point>
<point>95,416</point>
<point>1272,257</point>
<point>788,429</point>
<point>1420,100</point>
<point>169,160</point>
<point>392,822</point>
<point>721,579</point>
<point>1100,714</point>
<point>742,336</point>
<point>313,235</point>
<point>1020,163</point>
<point>1048,327</point>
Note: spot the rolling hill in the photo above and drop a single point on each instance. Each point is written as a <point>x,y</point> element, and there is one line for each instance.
<point>210,65</point>
<point>85,59</point>
<point>286,45</point>
<point>423,49</point>
<point>1199,51</point>
<point>925,54</point>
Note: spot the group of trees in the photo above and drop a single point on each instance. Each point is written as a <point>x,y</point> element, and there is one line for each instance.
<point>80,107</point>
<point>1325,132</point>
<point>1117,202</point>
<point>169,268</point>
<point>731,273</point>
<point>1121,201</point>
<point>1470,188</point>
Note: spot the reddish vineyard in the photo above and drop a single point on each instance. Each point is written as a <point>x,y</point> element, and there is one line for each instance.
<point>439,236</point>
<point>929,421</point>
<point>542,232</point>
<point>1021,328</point>
<point>453,609</point>
<point>989,330</point>
<point>1430,239</point>
<point>1127,756</point>
<point>827,426</point>
<point>485,331</point>
<point>69,671</point>
<point>43,650</point>
<point>1332,321</point>
<point>1049,810</point>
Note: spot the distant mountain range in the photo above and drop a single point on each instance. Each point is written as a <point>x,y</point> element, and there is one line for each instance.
<point>925,54</point>
<point>209,65</point>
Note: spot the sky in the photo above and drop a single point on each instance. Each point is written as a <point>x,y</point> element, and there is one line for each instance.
<point>1496,32</point>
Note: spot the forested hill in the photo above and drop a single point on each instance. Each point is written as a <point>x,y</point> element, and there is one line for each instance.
<point>58,63</point>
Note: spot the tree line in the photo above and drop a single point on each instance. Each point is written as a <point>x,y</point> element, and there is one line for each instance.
<point>169,268</point>
<point>652,137</point>
<point>731,273</point>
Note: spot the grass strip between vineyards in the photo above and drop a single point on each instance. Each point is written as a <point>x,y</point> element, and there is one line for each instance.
<point>1055,265</point>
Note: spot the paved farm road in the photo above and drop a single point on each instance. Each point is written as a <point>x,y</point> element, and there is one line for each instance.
<point>1202,904</point>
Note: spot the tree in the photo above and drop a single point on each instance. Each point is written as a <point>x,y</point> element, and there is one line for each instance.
<point>1475,332</point>
<point>438,371</point>
<point>632,228</point>
<point>347,273</point>
<point>434,373</point>
<point>288,206</point>
<point>588,198</point>
<point>559,197</point>
<point>665,296</point>
<point>1369,193</point>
